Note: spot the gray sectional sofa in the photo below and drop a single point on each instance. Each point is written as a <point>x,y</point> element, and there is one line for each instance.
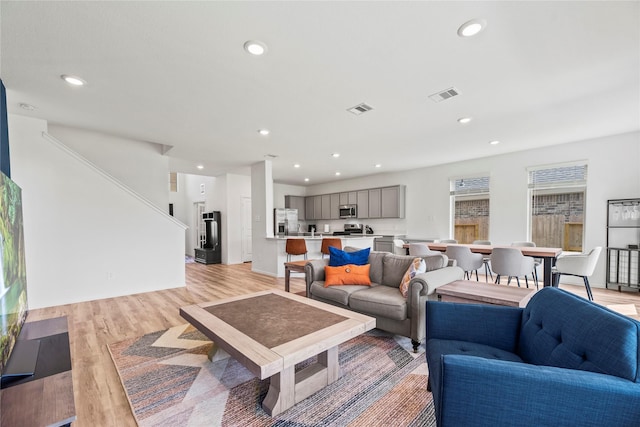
<point>383,300</point>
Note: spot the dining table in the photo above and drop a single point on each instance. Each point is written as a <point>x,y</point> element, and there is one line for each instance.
<point>548,255</point>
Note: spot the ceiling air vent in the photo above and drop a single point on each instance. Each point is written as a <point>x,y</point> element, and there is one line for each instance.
<point>360,109</point>
<point>445,94</point>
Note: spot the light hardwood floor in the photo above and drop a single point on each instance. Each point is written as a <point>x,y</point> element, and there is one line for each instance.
<point>99,397</point>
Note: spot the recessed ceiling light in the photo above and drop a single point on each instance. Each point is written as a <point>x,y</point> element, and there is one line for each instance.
<point>336,155</point>
<point>255,47</point>
<point>471,28</point>
<point>73,80</point>
<point>297,165</point>
<point>200,167</point>
<point>378,165</point>
<point>337,173</point>
<point>494,142</point>
<point>263,132</point>
<point>464,120</point>
<point>27,107</point>
<point>306,180</point>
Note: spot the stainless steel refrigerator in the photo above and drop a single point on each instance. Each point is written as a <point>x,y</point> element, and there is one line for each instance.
<point>285,222</point>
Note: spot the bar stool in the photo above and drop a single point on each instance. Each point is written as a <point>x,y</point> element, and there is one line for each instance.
<point>326,242</point>
<point>295,247</point>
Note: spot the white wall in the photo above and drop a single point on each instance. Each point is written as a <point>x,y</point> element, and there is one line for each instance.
<point>85,236</point>
<point>138,164</point>
<point>613,172</point>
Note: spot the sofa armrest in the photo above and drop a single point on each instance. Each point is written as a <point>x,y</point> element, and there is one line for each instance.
<point>535,395</point>
<point>492,325</point>
<point>314,271</point>
<point>429,281</point>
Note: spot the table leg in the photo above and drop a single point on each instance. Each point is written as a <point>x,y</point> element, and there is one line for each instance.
<point>288,387</point>
<point>287,277</point>
<point>548,263</point>
<point>281,394</point>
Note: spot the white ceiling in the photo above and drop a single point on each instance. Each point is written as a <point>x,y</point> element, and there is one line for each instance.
<point>175,73</point>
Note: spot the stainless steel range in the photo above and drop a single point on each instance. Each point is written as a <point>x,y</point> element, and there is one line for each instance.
<point>350,229</point>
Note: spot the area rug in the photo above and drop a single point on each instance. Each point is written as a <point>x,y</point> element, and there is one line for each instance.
<point>169,381</point>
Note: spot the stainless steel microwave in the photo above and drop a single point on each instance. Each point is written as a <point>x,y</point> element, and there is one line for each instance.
<point>349,211</point>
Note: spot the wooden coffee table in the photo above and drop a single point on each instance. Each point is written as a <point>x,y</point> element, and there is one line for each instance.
<point>270,332</point>
<point>469,291</point>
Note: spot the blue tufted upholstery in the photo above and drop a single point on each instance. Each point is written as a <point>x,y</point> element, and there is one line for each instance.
<point>560,361</point>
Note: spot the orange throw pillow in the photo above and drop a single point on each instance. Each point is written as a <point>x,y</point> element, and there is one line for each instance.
<point>349,274</point>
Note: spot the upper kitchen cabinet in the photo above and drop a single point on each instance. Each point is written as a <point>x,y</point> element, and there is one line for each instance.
<point>350,198</point>
<point>374,203</point>
<point>335,206</point>
<point>317,207</point>
<point>326,206</point>
<point>392,202</point>
<point>309,208</point>
<point>386,202</point>
<point>362,201</point>
<point>296,202</point>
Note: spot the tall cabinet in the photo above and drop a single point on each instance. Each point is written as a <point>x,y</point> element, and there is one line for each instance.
<point>623,241</point>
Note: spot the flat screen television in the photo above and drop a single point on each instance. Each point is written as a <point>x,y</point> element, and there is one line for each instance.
<point>13,276</point>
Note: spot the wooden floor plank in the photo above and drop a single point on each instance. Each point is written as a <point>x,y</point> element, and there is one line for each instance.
<point>99,397</point>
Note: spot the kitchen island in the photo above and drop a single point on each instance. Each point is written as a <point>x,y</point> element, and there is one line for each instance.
<point>313,247</point>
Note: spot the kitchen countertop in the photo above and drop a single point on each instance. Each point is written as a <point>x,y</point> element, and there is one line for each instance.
<point>329,235</point>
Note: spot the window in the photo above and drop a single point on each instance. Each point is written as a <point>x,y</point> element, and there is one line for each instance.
<point>557,196</point>
<point>470,209</point>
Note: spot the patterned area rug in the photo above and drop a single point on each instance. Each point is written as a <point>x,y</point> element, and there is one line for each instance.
<point>169,381</point>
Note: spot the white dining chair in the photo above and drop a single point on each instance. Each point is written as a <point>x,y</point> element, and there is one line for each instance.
<point>485,260</point>
<point>580,265</point>
<point>421,249</point>
<point>511,263</point>
<point>398,247</point>
<point>465,259</point>
<point>536,261</point>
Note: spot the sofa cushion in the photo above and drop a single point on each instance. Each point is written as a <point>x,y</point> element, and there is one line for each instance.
<point>375,260</point>
<point>416,267</point>
<point>383,301</point>
<point>339,257</point>
<point>438,346</point>
<point>338,294</point>
<point>349,274</point>
<point>393,269</point>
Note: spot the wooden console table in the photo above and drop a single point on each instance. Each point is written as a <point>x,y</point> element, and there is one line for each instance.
<point>46,398</point>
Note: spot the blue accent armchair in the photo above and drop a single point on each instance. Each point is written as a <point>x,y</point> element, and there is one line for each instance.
<point>560,361</point>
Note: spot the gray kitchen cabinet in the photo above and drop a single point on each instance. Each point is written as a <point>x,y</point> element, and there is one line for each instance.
<point>309,209</point>
<point>363,203</point>
<point>374,202</point>
<point>349,198</point>
<point>326,206</point>
<point>392,202</point>
<point>317,207</point>
<point>335,206</point>
<point>296,202</point>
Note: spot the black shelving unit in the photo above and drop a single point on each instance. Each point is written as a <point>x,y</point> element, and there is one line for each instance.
<point>623,243</point>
